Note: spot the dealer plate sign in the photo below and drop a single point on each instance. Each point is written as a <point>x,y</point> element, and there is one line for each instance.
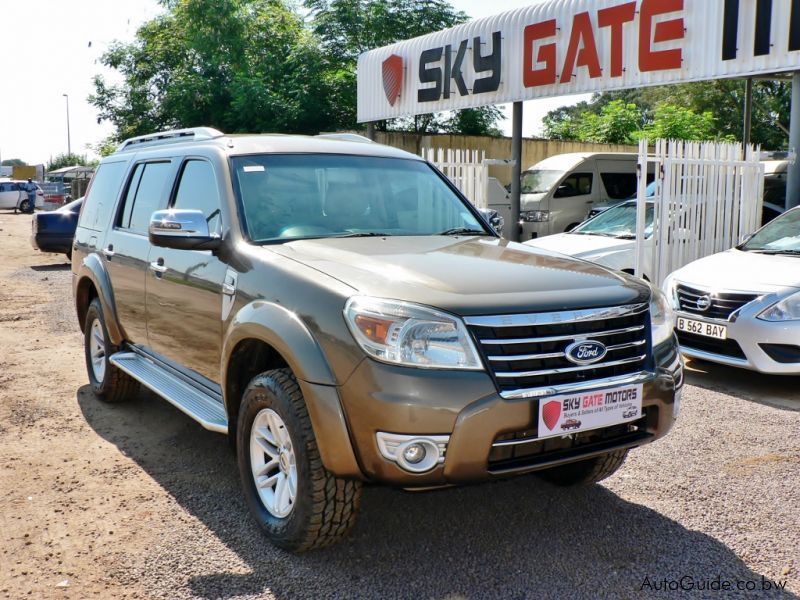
<point>570,413</point>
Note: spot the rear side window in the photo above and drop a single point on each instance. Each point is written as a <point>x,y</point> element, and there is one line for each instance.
<point>619,186</point>
<point>146,194</point>
<point>101,195</point>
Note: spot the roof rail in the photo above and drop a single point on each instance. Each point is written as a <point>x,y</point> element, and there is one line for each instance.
<point>346,137</point>
<point>170,137</point>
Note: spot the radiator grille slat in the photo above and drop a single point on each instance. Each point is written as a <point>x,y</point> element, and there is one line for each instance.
<point>526,356</point>
<point>713,305</point>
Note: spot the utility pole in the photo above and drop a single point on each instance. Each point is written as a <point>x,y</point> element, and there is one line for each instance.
<point>69,141</point>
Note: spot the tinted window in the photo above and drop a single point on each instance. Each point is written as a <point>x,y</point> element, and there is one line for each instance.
<point>577,184</point>
<point>327,195</point>
<point>5,187</point>
<point>619,186</point>
<point>198,190</point>
<point>101,195</point>
<point>149,195</point>
<point>130,196</point>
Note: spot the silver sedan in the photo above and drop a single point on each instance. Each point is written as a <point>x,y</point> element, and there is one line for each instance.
<point>742,307</point>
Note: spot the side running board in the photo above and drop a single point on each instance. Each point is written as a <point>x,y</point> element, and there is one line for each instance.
<point>194,402</point>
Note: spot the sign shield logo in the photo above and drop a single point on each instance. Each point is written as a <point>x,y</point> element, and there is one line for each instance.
<point>393,77</point>
<point>550,414</point>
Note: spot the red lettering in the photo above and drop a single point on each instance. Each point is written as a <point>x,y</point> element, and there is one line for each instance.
<point>615,17</point>
<point>582,36</point>
<point>545,75</point>
<point>665,31</point>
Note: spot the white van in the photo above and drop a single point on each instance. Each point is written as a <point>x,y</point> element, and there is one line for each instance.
<point>558,192</point>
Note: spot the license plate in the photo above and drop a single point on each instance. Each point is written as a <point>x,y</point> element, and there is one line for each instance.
<point>703,328</point>
<point>570,413</point>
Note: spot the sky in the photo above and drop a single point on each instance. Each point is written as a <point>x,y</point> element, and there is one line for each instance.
<point>53,56</point>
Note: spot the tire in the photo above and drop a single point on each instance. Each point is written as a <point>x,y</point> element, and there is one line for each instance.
<point>585,472</point>
<point>324,508</point>
<point>25,206</point>
<point>108,383</point>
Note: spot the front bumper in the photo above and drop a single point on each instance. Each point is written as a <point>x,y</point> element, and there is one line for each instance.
<point>467,407</point>
<point>749,340</point>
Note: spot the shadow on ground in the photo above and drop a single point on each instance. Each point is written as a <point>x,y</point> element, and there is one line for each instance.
<point>513,539</point>
<point>779,391</point>
<point>50,268</point>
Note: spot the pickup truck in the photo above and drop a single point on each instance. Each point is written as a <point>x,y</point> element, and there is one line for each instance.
<point>345,316</point>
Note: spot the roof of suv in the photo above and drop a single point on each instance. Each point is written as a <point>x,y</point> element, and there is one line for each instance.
<point>243,144</point>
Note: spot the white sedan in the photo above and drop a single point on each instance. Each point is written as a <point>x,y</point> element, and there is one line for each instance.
<point>608,239</point>
<point>742,307</point>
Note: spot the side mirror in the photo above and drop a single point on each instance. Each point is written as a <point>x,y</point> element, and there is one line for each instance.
<point>181,230</point>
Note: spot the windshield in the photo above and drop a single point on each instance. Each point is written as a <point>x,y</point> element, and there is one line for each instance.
<point>538,181</point>
<point>301,196</point>
<point>780,236</point>
<point>618,221</point>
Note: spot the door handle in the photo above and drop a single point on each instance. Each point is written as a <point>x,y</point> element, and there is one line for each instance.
<point>158,267</point>
<point>109,251</point>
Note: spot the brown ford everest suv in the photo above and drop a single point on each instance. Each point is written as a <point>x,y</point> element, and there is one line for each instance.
<point>345,316</point>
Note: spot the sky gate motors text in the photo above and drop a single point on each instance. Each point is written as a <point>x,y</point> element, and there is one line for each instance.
<point>658,21</point>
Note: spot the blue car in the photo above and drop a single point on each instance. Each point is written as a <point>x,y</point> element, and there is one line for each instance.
<point>53,231</point>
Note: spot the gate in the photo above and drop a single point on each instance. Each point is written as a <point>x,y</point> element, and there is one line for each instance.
<point>467,169</point>
<point>707,198</point>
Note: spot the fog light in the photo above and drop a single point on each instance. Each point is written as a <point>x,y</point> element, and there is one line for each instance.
<point>414,453</point>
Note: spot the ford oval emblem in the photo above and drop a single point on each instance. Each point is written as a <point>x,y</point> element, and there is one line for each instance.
<point>586,352</point>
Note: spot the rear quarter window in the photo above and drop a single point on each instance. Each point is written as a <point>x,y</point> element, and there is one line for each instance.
<point>102,195</point>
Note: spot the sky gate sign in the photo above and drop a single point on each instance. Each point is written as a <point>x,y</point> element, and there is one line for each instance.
<point>559,47</point>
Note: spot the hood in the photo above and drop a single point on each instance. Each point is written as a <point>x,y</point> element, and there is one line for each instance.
<point>581,245</point>
<point>742,271</point>
<point>531,201</point>
<point>467,276</point>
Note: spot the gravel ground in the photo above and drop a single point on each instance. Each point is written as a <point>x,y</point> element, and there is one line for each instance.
<point>138,501</point>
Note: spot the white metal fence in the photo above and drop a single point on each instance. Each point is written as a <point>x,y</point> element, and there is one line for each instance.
<point>707,197</point>
<point>467,169</point>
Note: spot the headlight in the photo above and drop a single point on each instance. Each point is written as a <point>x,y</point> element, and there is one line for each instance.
<point>670,288</point>
<point>408,334</point>
<point>787,309</point>
<point>535,216</point>
<point>662,318</point>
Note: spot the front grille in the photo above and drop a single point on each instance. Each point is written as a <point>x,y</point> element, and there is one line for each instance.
<point>525,352</point>
<point>522,450</point>
<point>727,347</point>
<point>713,305</point>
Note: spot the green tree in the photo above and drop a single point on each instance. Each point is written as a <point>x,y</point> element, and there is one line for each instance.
<point>723,99</point>
<point>68,160</point>
<point>14,162</point>
<point>348,28</point>
<point>678,123</point>
<point>617,123</point>
<point>238,65</point>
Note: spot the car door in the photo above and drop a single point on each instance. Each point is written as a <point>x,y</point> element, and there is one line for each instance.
<point>126,246</point>
<point>184,287</point>
<point>8,195</point>
<point>572,200</point>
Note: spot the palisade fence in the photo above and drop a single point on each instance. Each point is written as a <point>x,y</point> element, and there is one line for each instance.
<point>467,169</point>
<point>707,199</point>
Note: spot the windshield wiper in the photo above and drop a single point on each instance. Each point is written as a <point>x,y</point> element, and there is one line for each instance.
<point>462,231</point>
<point>626,236</point>
<point>357,234</point>
<point>774,252</point>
